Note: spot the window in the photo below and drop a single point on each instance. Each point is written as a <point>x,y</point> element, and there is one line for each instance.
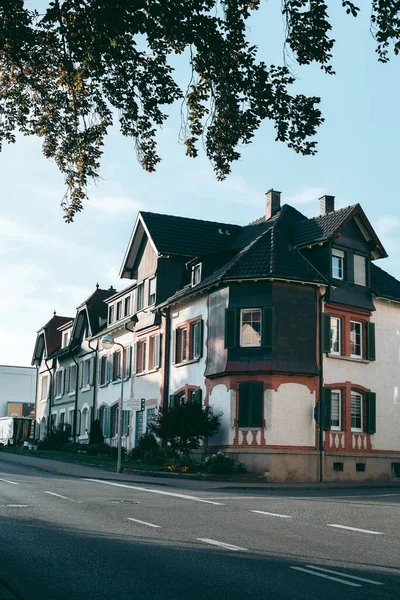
<point>250,327</point>
<point>335,335</point>
<point>141,356</point>
<point>183,344</point>
<point>111,314</point>
<point>356,412</point>
<point>103,370</point>
<point>45,387</point>
<point>336,410</point>
<point>84,421</point>
<point>72,378</point>
<point>62,418</point>
<point>196,274</point>
<point>59,383</point>
<point>337,263</point>
<point>53,420</point>
<point>251,404</point>
<point>396,469</point>
<point>127,306</point>
<point>119,310</point>
<point>86,373</point>
<point>150,417</point>
<point>154,352</point>
<point>152,291</point>
<point>140,296</point>
<point>338,466</point>
<point>65,339</point>
<point>360,273</point>
<point>116,366</point>
<point>355,339</point>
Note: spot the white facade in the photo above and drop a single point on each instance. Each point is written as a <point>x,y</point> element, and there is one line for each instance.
<point>17,386</point>
<point>289,416</point>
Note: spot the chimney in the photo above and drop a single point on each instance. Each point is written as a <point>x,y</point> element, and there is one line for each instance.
<point>326,204</point>
<point>273,203</point>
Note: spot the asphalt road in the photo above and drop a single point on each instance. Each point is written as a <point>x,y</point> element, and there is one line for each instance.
<point>75,538</point>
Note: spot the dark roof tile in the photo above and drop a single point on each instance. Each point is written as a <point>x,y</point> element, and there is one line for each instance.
<point>383,284</point>
<point>322,228</point>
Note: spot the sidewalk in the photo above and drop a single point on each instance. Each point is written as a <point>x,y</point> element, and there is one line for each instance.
<point>178,480</point>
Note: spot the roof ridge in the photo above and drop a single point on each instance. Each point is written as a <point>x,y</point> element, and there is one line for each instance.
<point>147,212</point>
<point>334,211</point>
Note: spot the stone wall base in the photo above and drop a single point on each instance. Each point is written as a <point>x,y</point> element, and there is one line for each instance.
<point>289,465</point>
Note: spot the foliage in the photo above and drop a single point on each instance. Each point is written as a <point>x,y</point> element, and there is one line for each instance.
<point>184,427</point>
<point>68,73</point>
<point>96,449</point>
<point>96,434</point>
<point>220,464</point>
<point>56,438</point>
<point>148,451</point>
<point>74,447</point>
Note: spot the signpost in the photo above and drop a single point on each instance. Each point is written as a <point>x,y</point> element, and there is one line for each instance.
<point>133,404</point>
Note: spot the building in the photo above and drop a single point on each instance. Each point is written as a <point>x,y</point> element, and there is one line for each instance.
<point>17,391</point>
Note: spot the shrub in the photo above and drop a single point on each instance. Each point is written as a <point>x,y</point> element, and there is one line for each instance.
<point>98,449</point>
<point>74,447</point>
<point>148,451</point>
<point>96,434</point>
<point>56,438</point>
<point>220,464</point>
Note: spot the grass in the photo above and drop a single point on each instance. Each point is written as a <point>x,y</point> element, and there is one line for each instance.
<point>82,459</point>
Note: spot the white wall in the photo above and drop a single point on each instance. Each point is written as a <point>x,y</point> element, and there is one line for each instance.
<point>289,415</point>
<point>223,401</point>
<point>17,384</point>
<point>382,376</point>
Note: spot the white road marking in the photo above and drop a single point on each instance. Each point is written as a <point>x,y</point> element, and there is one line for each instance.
<point>230,497</point>
<point>15,505</point>
<point>143,522</point>
<point>262,512</point>
<point>222,544</point>
<point>161,493</point>
<point>326,576</point>
<point>345,575</point>
<point>7,481</point>
<point>356,529</point>
<point>64,497</point>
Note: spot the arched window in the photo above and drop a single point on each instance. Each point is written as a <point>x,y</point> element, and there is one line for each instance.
<point>85,421</point>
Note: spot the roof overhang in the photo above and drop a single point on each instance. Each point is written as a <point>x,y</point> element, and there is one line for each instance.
<point>139,231</point>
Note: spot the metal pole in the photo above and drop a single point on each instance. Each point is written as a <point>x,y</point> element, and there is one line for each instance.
<point>119,442</point>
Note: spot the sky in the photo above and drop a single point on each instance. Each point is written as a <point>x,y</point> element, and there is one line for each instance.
<point>47,265</point>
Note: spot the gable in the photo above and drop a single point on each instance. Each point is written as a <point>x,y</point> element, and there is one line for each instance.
<point>351,236</point>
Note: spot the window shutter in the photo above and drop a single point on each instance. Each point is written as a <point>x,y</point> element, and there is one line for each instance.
<point>66,384</point>
<point>198,339</point>
<point>62,381</point>
<point>125,428</point>
<point>171,401</point>
<point>174,349</point>
<point>267,335</point>
<point>197,396</point>
<point>156,352</point>
<point>100,365</point>
<point>326,408</point>
<point>129,362</point>
<point>80,375</point>
<point>136,358</point>
<point>159,355</point>
<point>91,372</point>
<point>326,332</point>
<point>109,368</point>
<point>107,422</point>
<point>250,404</point>
<point>370,336</point>
<point>371,412</point>
<point>231,328</point>
<point>97,414</point>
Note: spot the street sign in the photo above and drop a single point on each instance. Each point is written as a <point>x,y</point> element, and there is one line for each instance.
<point>133,404</point>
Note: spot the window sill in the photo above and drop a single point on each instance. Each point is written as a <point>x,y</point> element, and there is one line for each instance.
<point>85,389</point>
<point>248,427</point>
<point>84,437</point>
<point>187,362</point>
<point>58,397</point>
<point>71,393</point>
<point>351,358</point>
<point>335,431</point>
<point>115,381</point>
<point>359,432</point>
<point>101,385</point>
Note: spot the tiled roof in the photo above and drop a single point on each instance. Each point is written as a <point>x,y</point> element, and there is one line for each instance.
<point>383,284</point>
<point>52,334</point>
<point>188,237</point>
<point>322,228</point>
<point>96,307</point>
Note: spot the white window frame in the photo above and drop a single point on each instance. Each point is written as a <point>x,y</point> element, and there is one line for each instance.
<point>357,429</point>
<point>129,299</point>
<point>364,278</point>
<point>72,379</point>
<point>196,269</point>
<point>336,253</point>
<point>361,339</point>
<point>242,345</point>
<point>44,378</point>
<point>337,427</point>
<point>339,334</point>
<point>65,338</point>
<point>120,316</point>
<point>111,314</point>
<point>140,305</point>
<point>61,372</point>
<point>154,281</point>
<point>86,366</point>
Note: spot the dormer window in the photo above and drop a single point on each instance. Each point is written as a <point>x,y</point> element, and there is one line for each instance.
<point>65,339</point>
<point>337,263</point>
<point>127,306</point>
<point>111,314</point>
<point>360,272</point>
<point>119,310</point>
<point>152,291</point>
<point>140,297</point>
<point>196,274</point>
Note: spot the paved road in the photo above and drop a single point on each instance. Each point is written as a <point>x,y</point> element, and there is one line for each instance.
<point>63,537</point>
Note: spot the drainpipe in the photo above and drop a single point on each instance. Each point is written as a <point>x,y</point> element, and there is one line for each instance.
<point>50,393</point>
<point>36,401</point>
<point>166,357</point>
<point>76,392</point>
<point>321,388</point>
<point>96,358</point>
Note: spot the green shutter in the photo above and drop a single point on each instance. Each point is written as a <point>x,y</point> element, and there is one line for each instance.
<point>66,379</point>
<point>97,414</point>
<point>80,367</point>
<point>370,335</point>
<point>198,339</point>
<point>100,362</point>
<point>326,332</point>
<point>126,415</point>
<point>174,345</point>
<point>231,328</point>
<point>107,422</point>
<point>197,396</point>
<point>371,412</point>
<point>109,368</point>
<point>267,335</point>
<point>171,401</point>
<point>250,404</point>
<point>326,408</point>
<point>91,371</point>
<point>129,362</point>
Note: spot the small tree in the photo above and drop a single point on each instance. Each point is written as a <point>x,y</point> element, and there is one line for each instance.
<point>186,426</point>
<point>96,434</point>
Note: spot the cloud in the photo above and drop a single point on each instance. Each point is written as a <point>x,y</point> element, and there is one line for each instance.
<point>306,196</point>
<point>114,204</point>
<point>386,224</point>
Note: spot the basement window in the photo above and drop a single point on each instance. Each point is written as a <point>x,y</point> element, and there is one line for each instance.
<point>396,469</point>
<point>360,467</point>
<point>338,466</point>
